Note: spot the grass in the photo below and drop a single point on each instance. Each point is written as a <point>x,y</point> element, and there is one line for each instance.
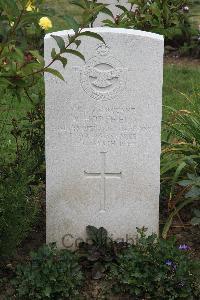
<point>195,12</point>
<point>61,8</point>
<point>179,80</point>
<point>10,108</point>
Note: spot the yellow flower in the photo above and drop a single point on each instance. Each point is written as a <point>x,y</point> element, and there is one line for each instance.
<point>45,23</point>
<point>30,6</point>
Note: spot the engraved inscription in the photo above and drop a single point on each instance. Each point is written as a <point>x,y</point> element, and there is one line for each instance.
<point>103,126</point>
<point>103,175</point>
<point>103,76</point>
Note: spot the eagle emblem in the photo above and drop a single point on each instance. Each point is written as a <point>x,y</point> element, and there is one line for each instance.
<point>103,76</point>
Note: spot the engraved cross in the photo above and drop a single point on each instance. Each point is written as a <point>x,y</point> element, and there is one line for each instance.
<point>103,175</point>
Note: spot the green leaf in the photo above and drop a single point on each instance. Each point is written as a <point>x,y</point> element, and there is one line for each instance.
<point>72,23</point>
<point>21,83</point>
<point>47,291</point>
<point>55,73</point>
<point>60,42</point>
<point>195,221</point>
<point>4,82</point>
<point>102,236</point>
<point>53,53</point>
<point>75,52</point>
<point>193,193</point>
<point>92,233</point>
<point>98,270</point>
<point>185,182</point>
<point>77,42</point>
<point>175,177</point>
<point>62,59</point>
<point>107,11</point>
<point>78,3</point>
<point>9,7</point>
<point>94,256</point>
<point>109,23</point>
<point>37,55</point>
<point>123,8</point>
<point>30,68</point>
<point>19,54</point>
<point>191,176</point>
<point>174,213</point>
<point>197,212</point>
<point>93,35</point>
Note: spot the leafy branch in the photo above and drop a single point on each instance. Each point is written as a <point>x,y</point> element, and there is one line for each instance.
<point>18,61</point>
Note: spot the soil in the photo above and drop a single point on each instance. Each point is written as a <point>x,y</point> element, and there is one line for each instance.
<point>174,59</point>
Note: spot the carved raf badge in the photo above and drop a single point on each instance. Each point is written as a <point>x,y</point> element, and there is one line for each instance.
<point>103,76</point>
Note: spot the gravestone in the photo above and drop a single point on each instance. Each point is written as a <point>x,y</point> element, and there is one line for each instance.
<point>103,136</point>
<point>112,5</point>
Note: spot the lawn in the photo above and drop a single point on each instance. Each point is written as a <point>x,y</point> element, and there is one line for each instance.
<point>11,107</point>
<point>179,83</point>
<point>61,7</point>
<point>195,12</point>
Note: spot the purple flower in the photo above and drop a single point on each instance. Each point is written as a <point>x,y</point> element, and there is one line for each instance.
<point>169,262</point>
<point>184,247</point>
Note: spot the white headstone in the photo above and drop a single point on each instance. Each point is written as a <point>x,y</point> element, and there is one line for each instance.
<point>112,6</point>
<point>103,136</point>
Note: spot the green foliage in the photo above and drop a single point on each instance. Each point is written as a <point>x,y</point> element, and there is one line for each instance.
<point>89,10</point>
<point>160,16</point>
<point>193,184</point>
<point>98,252</point>
<point>181,157</point>
<point>196,219</point>
<point>153,15</point>
<point>182,141</point>
<point>156,269</point>
<point>51,274</point>
<point>18,205</point>
<point>192,48</point>
<point>20,34</point>
<point>21,42</point>
<point>21,180</point>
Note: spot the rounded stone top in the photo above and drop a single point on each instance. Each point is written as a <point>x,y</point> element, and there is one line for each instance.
<point>102,30</point>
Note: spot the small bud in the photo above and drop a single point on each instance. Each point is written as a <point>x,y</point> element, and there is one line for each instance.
<point>5,61</point>
<point>117,19</point>
<point>185,9</point>
<point>28,57</point>
<point>137,12</point>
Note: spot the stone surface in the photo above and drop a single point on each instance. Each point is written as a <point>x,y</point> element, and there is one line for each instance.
<point>103,136</point>
<point>111,4</point>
